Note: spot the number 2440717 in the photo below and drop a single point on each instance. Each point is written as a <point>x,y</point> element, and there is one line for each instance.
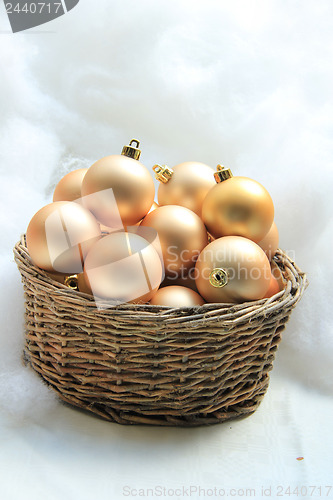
<point>33,8</point>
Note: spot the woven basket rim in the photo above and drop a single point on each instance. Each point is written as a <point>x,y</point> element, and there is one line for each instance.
<point>295,282</point>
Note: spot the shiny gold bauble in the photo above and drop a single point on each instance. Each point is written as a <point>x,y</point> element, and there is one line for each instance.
<point>60,235</point>
<point>177,296</point>
<point>123,267</point>
<point>232,269</point>
<point>270,242</point>
<point>69,187</point>
<point>188,186</point>
<point>182,235</point>
<point>128,180</point>
<point>272,289</point>
<point>238,206</point>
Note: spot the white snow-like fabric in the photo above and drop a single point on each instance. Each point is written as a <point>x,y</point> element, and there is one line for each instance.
<point>246,84</point>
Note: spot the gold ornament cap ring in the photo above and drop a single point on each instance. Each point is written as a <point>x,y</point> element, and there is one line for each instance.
<point>218,278</point>
<point>72,282</point>
<point>163,173</point>
<point>222,174</point>
<point>132,151</point>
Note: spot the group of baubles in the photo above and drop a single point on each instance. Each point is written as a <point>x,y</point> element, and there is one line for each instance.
<point>216,234</point>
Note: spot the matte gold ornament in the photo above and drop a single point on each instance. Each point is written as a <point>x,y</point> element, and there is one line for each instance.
<point>272,289</point>
<point>121,186</point>
<point>182,235</point>
<point>186,184</point>
<point>185,279</point>
<point>69,187</point>
<point>153,207</point>
<point>60,235</point>
<point>232,269</point>
<point>270,242</point>
<point>237,206</point>
<point>59,277</point>
<point>107,230</point>
<point>123,267</point>
<point>177,296</point>
<point>82,285</point>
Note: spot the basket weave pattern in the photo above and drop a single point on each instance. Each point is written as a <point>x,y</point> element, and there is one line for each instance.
<point>144,364</point>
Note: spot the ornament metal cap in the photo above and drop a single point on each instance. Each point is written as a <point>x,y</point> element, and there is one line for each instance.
<point>163,173</point>
<point>131,151</point>
<point>72,282</point>
<point>222,174</point>
<point>219,278</point>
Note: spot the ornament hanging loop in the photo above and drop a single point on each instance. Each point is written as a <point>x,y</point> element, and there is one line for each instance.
<point>218,278</point>
<point>222,174</point>
<point>163,173</point>
<point>132,151</point>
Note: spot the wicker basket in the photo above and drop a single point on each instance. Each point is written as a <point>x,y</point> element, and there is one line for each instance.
<point>143,364</point>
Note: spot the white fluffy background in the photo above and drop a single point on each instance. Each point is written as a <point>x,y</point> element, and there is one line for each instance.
<point>247,84</point>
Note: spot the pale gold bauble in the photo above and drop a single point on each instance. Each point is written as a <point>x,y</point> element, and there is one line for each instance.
<point>107,230</point>
<point>60,235</point>
<point>128,181</point>
<point>153,207</point>
<point>177,296</point>
<point>182,236</point>
<point>82,284</point>
<point>69,187</point>
<point>270,242</point>
<point>232,269</point>
<point>188,186</point>
<point>123,267</point>
<point>181,279</point>
<point>273,288</point>
<point>238,206</point>
<point>59,277</point>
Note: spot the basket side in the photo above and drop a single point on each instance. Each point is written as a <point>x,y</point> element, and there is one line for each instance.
<point>151,365</point>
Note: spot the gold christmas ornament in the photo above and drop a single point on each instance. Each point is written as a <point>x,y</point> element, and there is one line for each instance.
<point>60,235</point>
<point>270,242</point>
<point>232,269</point>
<point>177,279</point>
<point>118,189</point>
<point>59,277</point>
<point>237,206</point>
<point>273,288</point>
<point>182,235</point>
<point>82,285</point>
<point>177,296</point>
<point>186,184</point>
<point>153,207</point>
<point>107,230</point>
<point>123,267</point>
<point>69,187</point>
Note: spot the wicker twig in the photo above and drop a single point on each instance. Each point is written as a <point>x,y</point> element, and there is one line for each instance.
<point>144,364</point>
